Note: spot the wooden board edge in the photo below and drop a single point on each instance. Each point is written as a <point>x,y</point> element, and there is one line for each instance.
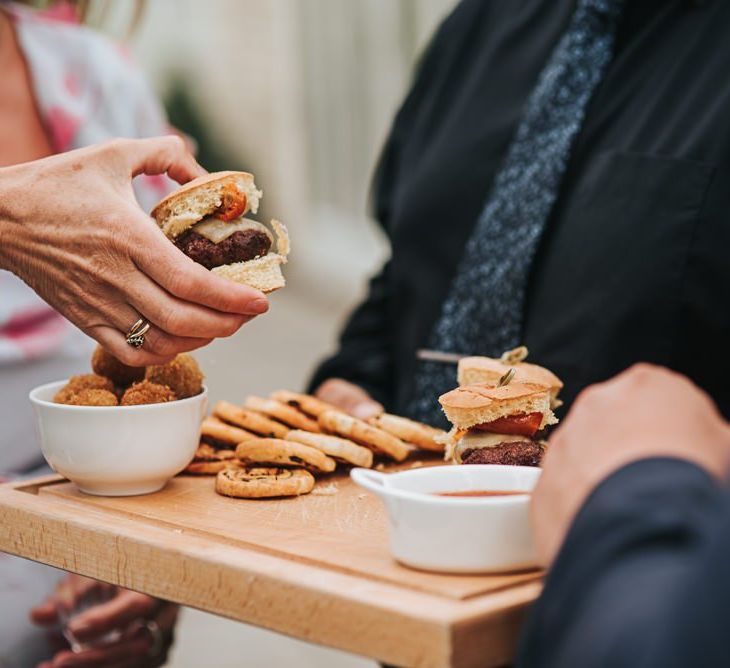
<point>304,601</point>
<point>476,644</point>
<point>34,484</point>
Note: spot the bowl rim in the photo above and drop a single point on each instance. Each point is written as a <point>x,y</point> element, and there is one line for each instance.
<point>433,499</point>
<point>98,409</point>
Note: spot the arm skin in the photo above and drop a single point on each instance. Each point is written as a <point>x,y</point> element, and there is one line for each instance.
<point>642,578</point>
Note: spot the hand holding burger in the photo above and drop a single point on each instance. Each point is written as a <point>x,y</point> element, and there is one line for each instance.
<point>71,228</point>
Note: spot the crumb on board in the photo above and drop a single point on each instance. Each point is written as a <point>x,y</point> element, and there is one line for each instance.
<point>416,465</point>
<point>326,490</point>
<point>380,467</point>
<point>362,496</point>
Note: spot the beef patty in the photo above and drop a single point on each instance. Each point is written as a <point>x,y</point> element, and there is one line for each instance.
<point>240,246</point>
<point>519,453</point>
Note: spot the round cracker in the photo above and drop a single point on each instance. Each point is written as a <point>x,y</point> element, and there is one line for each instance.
<point>422,435</point>
<point>263,482</point>
<point>333,446</point>
<point>282,412</point>
<point>342,424</point>
<point>284,453</point>
<point>250,420</point>
<point>304,402</point>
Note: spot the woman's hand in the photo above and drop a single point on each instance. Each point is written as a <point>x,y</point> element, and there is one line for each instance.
<point>71,228</point>
<point>128,613</point>
<point>644,412</point>
<point>348,397</point>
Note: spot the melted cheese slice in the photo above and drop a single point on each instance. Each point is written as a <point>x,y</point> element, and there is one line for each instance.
<point>216,230</point>
<point>484,439</point>
<point>474,439</point>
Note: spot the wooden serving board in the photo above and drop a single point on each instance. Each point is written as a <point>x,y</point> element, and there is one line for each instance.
<point>315,567</point>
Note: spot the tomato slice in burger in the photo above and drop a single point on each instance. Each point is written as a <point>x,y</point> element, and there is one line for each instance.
<point>233,204</point>
<point>525,424</point>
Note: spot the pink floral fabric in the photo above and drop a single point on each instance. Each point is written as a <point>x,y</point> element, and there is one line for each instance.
<point>88,90</point>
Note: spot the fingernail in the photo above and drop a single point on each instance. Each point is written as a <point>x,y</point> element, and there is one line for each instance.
<point>259,306</point>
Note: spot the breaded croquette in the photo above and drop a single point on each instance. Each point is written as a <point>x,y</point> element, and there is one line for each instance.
<point>145,392</point>
<point>87,381</point>
<point>92,397</point>
<point>183,376</point>
<point>109,366</point>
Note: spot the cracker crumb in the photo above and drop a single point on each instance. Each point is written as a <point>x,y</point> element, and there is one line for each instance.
<point>380,467</point>
<point>416,465</point>
<point>326,490</point>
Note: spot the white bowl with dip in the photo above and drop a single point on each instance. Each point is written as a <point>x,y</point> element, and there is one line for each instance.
<point>457,534</point>
<point>118,450</point>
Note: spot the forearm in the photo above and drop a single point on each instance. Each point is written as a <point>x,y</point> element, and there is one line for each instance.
<point>10,213</point>
<point>621,575</point>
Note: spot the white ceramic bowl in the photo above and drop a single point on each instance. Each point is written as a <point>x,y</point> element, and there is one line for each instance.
<point>457,534</point>
<point>118,450</point>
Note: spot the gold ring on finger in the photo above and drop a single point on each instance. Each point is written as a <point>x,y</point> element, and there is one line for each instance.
<point>135,334</point>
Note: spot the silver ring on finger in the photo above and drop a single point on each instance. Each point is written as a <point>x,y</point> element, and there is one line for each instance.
<point>157,639</point>
<point>135,334</point>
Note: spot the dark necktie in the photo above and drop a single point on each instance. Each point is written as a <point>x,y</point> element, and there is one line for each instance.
<point>483,312</point>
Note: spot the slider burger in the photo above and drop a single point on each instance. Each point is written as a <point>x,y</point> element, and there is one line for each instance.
<point>206,220</point>
<point>497,425</point>
<point>488,370</point>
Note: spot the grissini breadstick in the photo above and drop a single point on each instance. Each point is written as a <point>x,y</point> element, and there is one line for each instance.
<point>341,424</point>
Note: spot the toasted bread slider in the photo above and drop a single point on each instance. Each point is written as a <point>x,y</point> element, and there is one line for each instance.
<point>497,425</point>
<point>205,220</point>
<point>488,370</point>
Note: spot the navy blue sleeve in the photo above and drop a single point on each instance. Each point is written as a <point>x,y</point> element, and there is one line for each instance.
<point>643,577</point>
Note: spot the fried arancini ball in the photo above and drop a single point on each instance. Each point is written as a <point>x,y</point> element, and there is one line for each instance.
<point>183,376</point>
<point>110,367</point>
<point>145,392</point>
<point>64,395</point>
<point>90,381</point>
<point>87,381</point>
<point>92,397</point>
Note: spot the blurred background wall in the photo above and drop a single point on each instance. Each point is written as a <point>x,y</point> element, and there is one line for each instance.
<point>302,93</point>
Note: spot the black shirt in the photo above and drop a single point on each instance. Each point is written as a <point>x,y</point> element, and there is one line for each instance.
<point>635,260</point>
